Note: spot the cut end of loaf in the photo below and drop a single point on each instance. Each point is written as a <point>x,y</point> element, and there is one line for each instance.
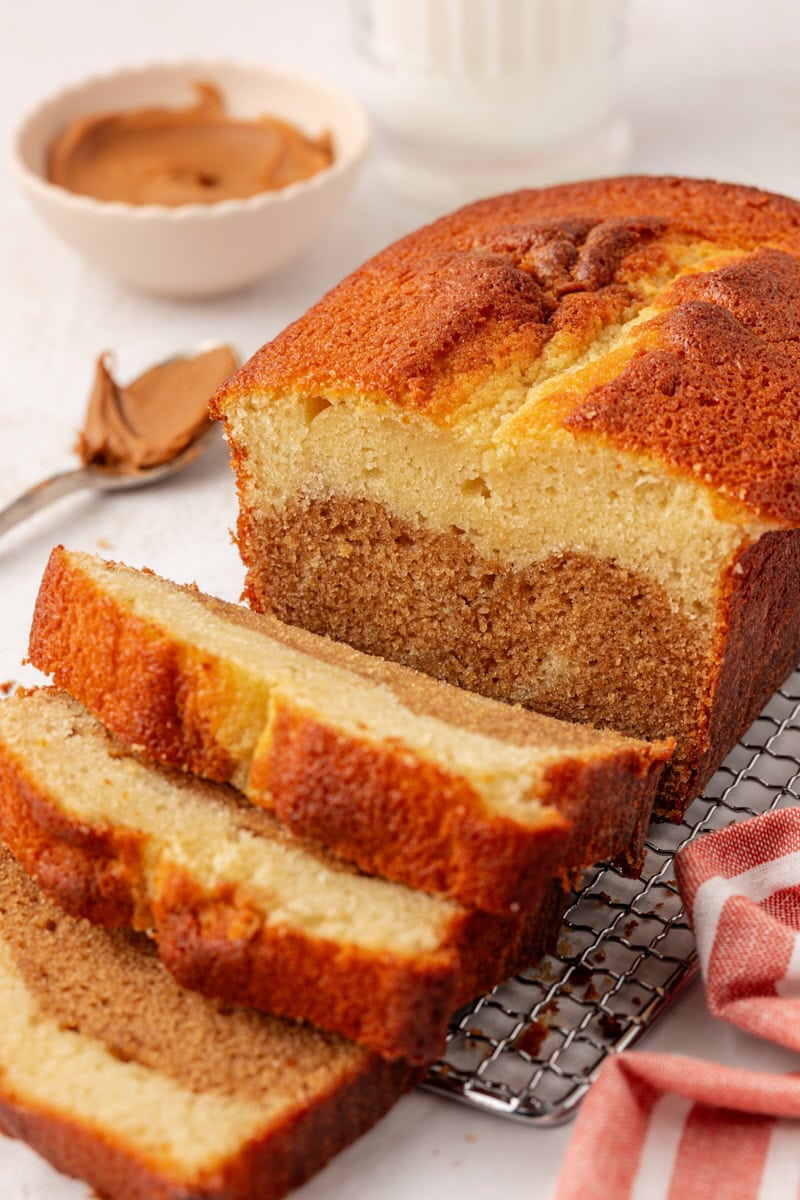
<point>529,448</point>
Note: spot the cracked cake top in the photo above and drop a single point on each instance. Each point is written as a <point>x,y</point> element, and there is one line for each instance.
<point>659,315</point>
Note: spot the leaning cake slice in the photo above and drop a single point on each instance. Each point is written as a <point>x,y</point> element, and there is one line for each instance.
<point>407,777</point>
<point>240,908</point>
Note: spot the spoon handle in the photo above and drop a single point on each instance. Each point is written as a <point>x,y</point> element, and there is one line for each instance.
<point>42,494</point>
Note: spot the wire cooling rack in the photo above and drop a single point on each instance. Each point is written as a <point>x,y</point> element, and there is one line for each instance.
<point>529,1049</point>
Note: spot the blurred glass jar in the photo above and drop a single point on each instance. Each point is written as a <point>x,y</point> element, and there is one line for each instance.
<point>474,97</point>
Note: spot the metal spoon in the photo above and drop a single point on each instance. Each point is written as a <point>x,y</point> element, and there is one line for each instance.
<point>104,479</point>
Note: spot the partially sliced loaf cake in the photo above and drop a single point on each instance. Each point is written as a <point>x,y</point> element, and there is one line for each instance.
<point>117,1075</point>
<point>405,776</point>
<point>240,908</point>
<point>548,448</point>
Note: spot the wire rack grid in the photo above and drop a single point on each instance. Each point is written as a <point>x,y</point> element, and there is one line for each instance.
<point>529,1049</point>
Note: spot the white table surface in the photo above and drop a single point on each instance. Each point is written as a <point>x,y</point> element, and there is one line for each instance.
<point>712,88</point>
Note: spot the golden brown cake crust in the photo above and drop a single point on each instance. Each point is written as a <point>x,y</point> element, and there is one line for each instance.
<point>151,708</point>
<point>362,801</point>
<point>357,800</point>
<point>367,1002</point>
<point>721,386</point>
<point>761,646</point>
<point>481,293</point>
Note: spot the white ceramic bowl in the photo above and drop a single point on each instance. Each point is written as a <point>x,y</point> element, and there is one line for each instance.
<point>196,249</point>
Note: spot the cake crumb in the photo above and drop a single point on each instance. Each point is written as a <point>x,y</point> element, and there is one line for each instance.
<point>531,1039</point>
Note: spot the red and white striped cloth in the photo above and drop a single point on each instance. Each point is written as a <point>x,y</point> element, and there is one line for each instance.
<point>664,1127</point>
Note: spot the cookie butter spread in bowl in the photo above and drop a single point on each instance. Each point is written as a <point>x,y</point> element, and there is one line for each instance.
<point>195,178</point>
<point>200,154</point>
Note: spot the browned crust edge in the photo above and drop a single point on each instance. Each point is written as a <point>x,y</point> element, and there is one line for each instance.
<point>757,647</point>
<point>267,1167</point>
<point>124,669</point>
<point>411,822</point>
<point>219,944</point>
<point>420,827</point>
<point>208,944</point>
<point>379,806</point>
<point>610,805</point>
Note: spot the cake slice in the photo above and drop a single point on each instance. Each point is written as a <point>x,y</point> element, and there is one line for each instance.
<point>117,1075</point>
<point>548,449</point>
<point>405,776</point>
<point>240,908</point>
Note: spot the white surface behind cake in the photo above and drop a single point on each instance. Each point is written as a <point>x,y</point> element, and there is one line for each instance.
<point>710,90</point>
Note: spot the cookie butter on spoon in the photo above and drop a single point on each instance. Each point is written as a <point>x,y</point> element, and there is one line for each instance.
<point>195,155</point>
<point>154,418</point>
<point>136,435</point>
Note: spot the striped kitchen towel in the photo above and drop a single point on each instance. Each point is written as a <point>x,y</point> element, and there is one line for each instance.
<point>662,1126</point>
<point>741,888</point>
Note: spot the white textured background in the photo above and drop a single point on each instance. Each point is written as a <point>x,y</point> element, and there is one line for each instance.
<point>713,88</point>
